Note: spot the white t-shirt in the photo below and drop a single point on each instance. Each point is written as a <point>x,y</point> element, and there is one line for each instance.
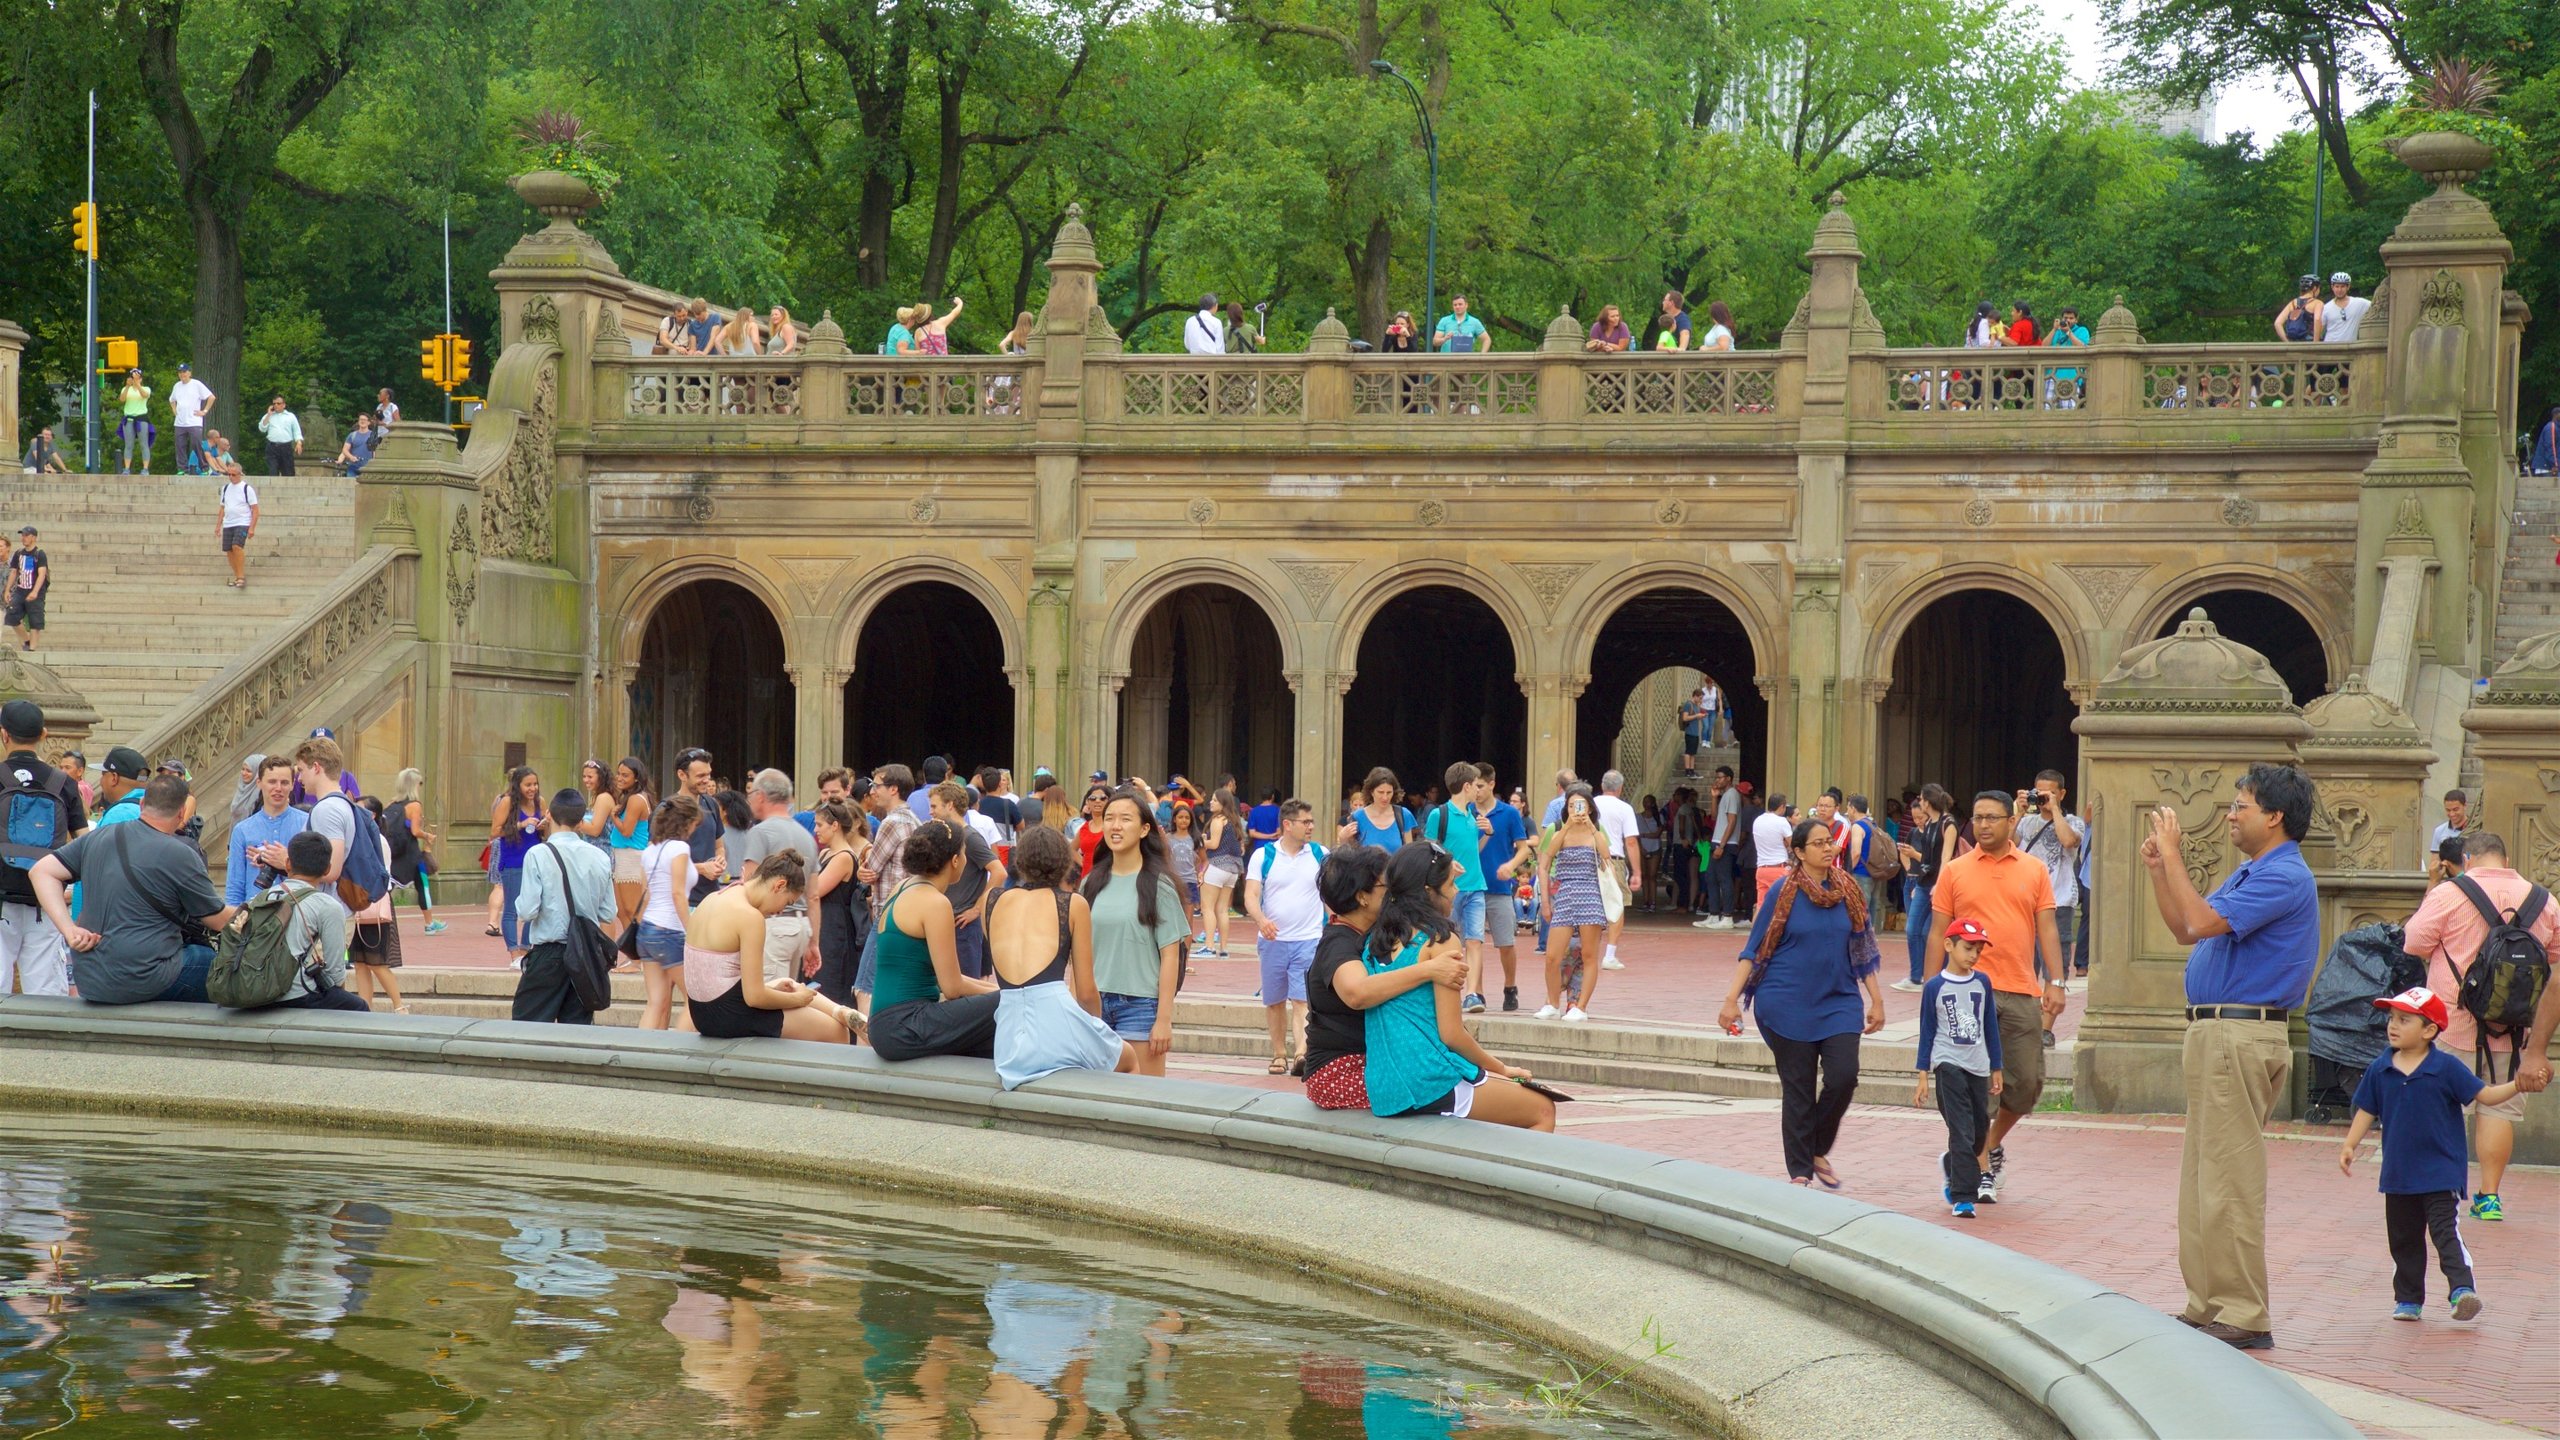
<point>237,498</point>
<point>667,857</point>
<point>1204,334</point>
<point>987,828</point>
<point>188,400</point>
<point>2339,323</point>
<point>1617,820</point>
<point>1769,839</point>
<point>1290,900</point>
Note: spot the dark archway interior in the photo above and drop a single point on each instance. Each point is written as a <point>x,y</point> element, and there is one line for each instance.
<point>2271,627</point>
<point>1437,682</point>
<point>1669,626</point>
<point>711,675</point>
<point>1978,701</point>
<point>1205,694</point>
<point>928,679</point>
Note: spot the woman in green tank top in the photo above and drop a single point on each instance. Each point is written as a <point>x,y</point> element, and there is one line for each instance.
<point>920,1002</point>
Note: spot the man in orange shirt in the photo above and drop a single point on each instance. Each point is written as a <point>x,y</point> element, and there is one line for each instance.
<point>2009,893</point>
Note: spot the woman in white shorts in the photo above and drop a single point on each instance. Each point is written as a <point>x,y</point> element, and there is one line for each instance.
<point>1220,871</point>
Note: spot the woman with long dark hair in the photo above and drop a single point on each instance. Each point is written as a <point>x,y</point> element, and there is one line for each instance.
<point>515,827</point>
<point>1086,828</point>
<point>626,832</point>
<point>729,999</point>
<point>666,880</point>
<point>1221,867</point>
<point>1569,901</point>
<point>1422,1060</point>
<point>921,1003</point>
<point>1138,926</point>
<point>839,903</point>
<point>1353,885</point>
<point>1808,965</point>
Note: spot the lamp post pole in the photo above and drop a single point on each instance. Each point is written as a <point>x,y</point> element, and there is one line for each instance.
<point>1431,153</point>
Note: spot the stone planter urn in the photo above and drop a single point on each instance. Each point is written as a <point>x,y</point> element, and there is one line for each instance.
<point>2445,157</point>
<point>556,193</point>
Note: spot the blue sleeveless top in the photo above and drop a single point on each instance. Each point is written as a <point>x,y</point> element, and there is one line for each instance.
<point>1408,1065</point>
<point>1385,839</point>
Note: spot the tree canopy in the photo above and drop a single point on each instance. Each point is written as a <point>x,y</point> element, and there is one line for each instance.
<point>274,175</point>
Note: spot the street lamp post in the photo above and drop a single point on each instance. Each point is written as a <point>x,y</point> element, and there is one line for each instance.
<point>1431,152</point>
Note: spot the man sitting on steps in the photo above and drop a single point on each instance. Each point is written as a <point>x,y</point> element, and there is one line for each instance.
<point>148,903</point>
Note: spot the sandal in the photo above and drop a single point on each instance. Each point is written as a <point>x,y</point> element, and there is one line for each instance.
<point>1279,1065</point>
<point>493,931</point>
<point>1823,1172</point>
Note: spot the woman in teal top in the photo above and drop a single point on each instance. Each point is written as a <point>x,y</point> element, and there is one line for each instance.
<point>1422,1060</point>
<point>626,834</point>
<point>920,1002</point>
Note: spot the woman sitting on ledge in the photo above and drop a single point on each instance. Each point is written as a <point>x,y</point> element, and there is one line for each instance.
<point>1422,1060</point>
<point>727,1000</point>
<point>1040,945</point>
<point>1353,884</point>
<point>920,1002</point>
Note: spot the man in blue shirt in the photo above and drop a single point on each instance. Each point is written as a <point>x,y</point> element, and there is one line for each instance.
<point>1458,827</point>
<point>258,840</point>
<point>2256,939</point>
<point>1503,830</point>
<point>1458,332</point>
<point>543,992</point>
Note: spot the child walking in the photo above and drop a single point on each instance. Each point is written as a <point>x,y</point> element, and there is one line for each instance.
<point>2418,1093</point>
<point>1960,1045</point>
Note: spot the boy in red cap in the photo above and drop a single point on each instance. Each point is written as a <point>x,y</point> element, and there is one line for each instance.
<point>2418,1092</point>
<point>1960,1045</point>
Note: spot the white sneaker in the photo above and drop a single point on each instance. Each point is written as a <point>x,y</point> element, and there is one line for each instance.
<point>1712,922</point>
<point>1575,1016</point>
<point>1721,922</point>
<point>1612,962</point>
<point>1906,987</point>
<point>1547,1012</point>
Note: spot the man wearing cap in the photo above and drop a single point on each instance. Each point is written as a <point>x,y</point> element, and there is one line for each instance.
<point>30,578</point>
<point>31,950</point>
<point>190,400</point>
<point>2343,316</point>
<point>2256,939</point>
<point>120,785</point>
<point>147,891</point>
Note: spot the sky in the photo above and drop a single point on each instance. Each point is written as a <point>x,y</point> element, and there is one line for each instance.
<point>2266,105</point>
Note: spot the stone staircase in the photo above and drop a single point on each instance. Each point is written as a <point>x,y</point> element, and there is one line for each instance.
<point>2528,601</point>
<point>139,615</point>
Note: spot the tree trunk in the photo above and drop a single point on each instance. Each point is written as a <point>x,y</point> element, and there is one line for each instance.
<point>221,312</point>
<point>1371,279</point>
<point>951,158</point>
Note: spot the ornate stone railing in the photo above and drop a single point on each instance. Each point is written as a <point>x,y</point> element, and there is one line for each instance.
<point>1445,389</point>
<point>1971,382</point>
<point>1232,388</point>
<point>2261,377</point>
<point>794,390</point>
<point>1680,387</point>
<point>216,728</point>
<point>2127,381</point>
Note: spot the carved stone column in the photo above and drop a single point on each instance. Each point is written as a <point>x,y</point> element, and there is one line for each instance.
<point>2515,727</point>
<point>13,343</point>
<point>1552,708</point>
<point>2174,725</point>
<point>1146,726</point>
<point>1780,691</point>
<point>1047,691</point>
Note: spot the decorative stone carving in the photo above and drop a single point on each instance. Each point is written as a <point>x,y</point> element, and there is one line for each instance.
<point>68,715</point>
<point>924,510</point>
<point>1671,512</point>
<point>812,573</point>
<point>2411,522</point>
<point>462,568</point>
<point>541,320</point>
<point>516,503</point>
<point>2531,676</point>
<point>2202,852</point>
<point>2440,300</point>
<point>698,506</point>
<point>2379,317</point>
<point>609,338</point>
<point>1873,576</point>
<point>2195,670</point>
<point>2104,584</point>
<point>1978,511</point>
<point>1011,565</point>
<point>1549,582</point>
<point>1203,510</point>
<point>1431,512</point>
<point>212,736</point>
<point>1773,574</point>
<point>2186,782</point>
<point>2350,809</point>
<point>1111,572</point>
<point>2239,512</point>
<point>1314,578</point>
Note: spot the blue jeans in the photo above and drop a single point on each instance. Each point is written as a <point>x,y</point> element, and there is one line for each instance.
<point>195,966</point>
<point>1720,882</point>
<point>511,884</point>
<point>1917,931</point>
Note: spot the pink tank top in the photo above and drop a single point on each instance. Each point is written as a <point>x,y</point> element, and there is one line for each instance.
<point>709,974</point>
<point>936,343</point>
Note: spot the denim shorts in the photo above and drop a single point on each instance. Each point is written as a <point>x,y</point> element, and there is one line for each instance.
<point>660,945</point>
<point>1131,1017</point>
<point>1469,914</point>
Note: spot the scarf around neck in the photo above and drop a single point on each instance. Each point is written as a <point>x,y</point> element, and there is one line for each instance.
<point>1835,887</point>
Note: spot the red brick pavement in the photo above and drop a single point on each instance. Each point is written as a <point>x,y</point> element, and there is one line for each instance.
<point>2097,1195</point>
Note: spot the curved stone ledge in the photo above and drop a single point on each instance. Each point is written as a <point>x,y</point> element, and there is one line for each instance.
<point>2094,1360</point>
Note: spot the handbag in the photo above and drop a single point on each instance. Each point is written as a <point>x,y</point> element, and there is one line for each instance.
<point>585,954</point>
<point>1613,891</point>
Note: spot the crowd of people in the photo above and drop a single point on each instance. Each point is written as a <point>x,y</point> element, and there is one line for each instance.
<point>936,911</point>
<point>199,450</point>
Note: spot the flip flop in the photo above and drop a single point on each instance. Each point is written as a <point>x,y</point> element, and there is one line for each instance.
<point>1823,1172</point>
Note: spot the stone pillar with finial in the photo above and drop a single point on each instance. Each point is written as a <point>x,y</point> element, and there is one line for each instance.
<point>1058,717</point>
<point>1819,732</point>
<point>2173,726</point>
<point>1329,381</point>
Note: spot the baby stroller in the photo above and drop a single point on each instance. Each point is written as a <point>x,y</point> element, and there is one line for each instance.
<point>2346,1031</point>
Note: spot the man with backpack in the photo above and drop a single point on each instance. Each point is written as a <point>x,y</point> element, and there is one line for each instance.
<point>1288,917</point>
<point>145,892</point>
<point>288,947</point>
<point>40,812</point>
<point>356,866</point>
<point>2489,938</point>
<point>1457,825</point>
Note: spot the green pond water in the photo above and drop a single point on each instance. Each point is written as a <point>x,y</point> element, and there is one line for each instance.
<point>200,1280</point>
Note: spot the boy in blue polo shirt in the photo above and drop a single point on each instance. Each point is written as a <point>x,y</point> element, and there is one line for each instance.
<point>2418,1092</point>
<point>1458,826</point>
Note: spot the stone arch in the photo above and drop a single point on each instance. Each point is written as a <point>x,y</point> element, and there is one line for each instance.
<point>1582,629</point>
<point>1128,611</point>
<point>1667,616</point>
<point>1509,605</point>
<point>712,667</point>
<point>1200,676</point>
<point>865,595</point>
<point>2170,603</point>
<point>1969,714</point>
<point>641,598</point>
<point>1896,614</point>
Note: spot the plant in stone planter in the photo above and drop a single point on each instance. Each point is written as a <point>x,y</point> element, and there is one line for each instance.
<point>2457,97</point>
<point>559,140</point>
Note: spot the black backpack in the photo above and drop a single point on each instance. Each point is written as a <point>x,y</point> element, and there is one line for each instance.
<point>2504,981</point>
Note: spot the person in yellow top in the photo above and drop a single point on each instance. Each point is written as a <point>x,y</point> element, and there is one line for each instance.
<point>134,428</point>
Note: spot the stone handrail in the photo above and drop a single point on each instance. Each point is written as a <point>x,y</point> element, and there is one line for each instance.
<point>232,715</point>
<point>969,391</point>
<point>1969,386</point>
<point>2095,1361</point>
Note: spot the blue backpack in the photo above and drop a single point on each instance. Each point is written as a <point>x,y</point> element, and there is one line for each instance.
<point>363,877</point>
<point>32,823</point>
<point>1273,847</point>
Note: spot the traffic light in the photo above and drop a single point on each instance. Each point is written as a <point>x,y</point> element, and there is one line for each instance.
<point>445,360</point>
<point>460,368</point>
<point>431,359</point>
<point>84,229</point>
<point>122,354</point>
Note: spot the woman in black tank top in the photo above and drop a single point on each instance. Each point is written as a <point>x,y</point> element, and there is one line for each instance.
<point>1051,1018</point>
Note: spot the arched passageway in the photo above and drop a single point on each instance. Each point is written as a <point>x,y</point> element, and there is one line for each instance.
<point>711,675</point>
<point>1437,682</point>
<point>1205,694</point>
<point>928,679</point>
<point>2267,624</point>
<point>1670,627</point>
<point>1978,700</point>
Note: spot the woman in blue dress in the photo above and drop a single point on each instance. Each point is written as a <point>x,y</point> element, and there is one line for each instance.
<point>1422,1059</point>
<point>1569,901</point>
<point>1810,967</point>
<point>1379,820</point>
<point>1040,944</point>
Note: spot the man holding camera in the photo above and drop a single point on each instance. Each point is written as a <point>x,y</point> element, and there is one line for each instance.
<point>2048,831</point>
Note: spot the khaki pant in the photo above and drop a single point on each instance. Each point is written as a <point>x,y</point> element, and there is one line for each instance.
<point>2235,1069</point>
<point>786,944</point>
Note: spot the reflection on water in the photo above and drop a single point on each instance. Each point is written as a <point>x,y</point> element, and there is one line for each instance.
<point>361,1287</point>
